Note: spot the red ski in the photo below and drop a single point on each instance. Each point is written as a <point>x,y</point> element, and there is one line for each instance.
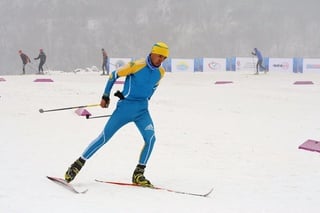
<point>66,185</point>
<point>157,188</point>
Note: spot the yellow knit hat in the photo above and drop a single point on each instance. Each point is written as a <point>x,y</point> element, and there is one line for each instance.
<point>160,48</point>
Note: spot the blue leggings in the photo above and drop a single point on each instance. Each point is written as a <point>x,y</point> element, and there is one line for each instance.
<point>127,111</point>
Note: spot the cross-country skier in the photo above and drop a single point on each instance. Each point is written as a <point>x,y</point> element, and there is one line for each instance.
<point>257,53</point>
<point>142,78</point>
<point>105,65</point>
<point>25,59</point>
<point>42,56</point>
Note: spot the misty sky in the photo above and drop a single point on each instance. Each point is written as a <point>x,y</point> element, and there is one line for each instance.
<point>73,32</point>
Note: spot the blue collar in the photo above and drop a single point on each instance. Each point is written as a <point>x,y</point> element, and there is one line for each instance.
<point>150,65</point>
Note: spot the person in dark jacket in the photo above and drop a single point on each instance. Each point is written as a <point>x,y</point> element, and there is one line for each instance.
<point>42,56</point>
<point>257,53</point>
<point>25,59</point>
<point>105,67</point>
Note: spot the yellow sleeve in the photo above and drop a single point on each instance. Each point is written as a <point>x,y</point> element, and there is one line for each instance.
<point>131,67</point>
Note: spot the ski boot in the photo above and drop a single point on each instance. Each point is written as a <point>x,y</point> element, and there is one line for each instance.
<point>138,177</point>
<point>74,169</point>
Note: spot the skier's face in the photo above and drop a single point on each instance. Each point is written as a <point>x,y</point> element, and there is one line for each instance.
<point>157,59</point>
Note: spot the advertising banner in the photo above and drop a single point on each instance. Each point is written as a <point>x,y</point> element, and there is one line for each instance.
<point>182,65</point>
<point>311,64</point>
<point>246,64</point>
<point>117,62</point>
<point>214,64</point>
<point>281,64</point>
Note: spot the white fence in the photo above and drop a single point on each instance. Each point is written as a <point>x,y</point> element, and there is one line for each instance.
<point>297,65</point>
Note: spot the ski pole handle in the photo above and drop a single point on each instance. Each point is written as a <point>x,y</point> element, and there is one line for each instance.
<point>100,116</point>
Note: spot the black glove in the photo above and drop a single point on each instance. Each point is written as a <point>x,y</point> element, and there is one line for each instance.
<point>106,98</point>
<point>107,101</point>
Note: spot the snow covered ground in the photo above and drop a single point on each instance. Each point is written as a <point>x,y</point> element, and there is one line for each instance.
<point>240,138</point>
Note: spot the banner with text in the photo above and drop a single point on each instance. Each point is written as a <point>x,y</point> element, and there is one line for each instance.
<point>182,65</point>
<point>246,64</point>
<point>214,64</point>
<point>281,64</point>
<point>311,64</point>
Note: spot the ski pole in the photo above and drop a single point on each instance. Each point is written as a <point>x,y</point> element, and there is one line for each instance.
<point>253,64</point>
<point>117,94</point>
<point>32,67</point>
<point>66,108</point>
<point>100,116</point>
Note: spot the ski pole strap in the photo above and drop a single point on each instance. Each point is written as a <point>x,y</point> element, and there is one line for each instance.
<point>119,95</point>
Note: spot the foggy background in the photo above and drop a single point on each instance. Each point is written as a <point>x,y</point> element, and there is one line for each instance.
<point>72,32</point>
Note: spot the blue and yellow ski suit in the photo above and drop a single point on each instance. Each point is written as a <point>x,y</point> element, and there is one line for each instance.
<point>142,79</point>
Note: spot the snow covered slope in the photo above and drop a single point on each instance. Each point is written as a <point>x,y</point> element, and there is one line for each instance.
<point>240,138</point>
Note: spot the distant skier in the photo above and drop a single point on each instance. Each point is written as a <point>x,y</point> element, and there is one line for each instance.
<point>25,59</point>
<point>42,56</point>
<point>259,62</point>
<point>105,67</point>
